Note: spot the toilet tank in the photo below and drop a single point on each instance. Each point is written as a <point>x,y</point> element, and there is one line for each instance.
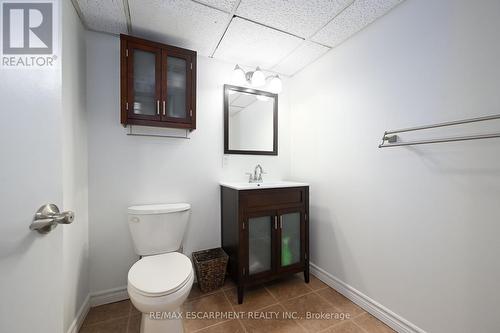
<point>158,228</point>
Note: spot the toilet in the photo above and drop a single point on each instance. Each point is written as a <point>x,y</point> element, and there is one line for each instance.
<point>161,280</point>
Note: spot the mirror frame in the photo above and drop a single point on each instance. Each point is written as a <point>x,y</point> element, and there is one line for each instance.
<point>274,152</point>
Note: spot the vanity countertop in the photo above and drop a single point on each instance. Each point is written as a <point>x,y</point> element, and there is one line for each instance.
<point>256,186</point>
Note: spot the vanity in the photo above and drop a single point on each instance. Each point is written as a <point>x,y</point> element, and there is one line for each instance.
<point>264,225</point>
<point>265,231</point>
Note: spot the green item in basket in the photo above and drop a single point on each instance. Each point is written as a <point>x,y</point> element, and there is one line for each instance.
<point>286,255</point>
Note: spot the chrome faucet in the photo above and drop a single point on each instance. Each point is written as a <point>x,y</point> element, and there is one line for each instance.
<point>256,177</point>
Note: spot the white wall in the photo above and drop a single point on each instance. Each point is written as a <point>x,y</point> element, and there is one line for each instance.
<point>75,166</point>
<point>126,170</point>
<point>416,229</point>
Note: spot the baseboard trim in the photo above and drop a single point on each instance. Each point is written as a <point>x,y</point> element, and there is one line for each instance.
<point>379,311</point>
<point>80,316</point>
<point>108,296</point>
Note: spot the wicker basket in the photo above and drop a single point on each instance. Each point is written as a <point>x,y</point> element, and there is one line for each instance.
<point>210,268</point>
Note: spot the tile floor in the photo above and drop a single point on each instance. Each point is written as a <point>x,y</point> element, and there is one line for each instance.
<point>276,301</point>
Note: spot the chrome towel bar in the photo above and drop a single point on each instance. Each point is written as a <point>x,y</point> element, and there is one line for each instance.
<point>390,139</point>
<point>154,135</point>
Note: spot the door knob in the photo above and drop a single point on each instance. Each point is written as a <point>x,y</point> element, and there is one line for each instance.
<point>48,217</point>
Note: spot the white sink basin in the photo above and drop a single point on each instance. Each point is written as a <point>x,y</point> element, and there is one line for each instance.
<point>271,184</point>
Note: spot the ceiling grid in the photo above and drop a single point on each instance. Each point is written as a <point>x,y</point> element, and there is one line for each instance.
<point>281,36</point>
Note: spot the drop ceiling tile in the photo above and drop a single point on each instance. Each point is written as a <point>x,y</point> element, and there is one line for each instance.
<point>300,58</point>
<point>299,17</point>
<point>108,16</point>
<point>181,23</point>
<point>252,44</point>
<point>357,16</point>
<point>225,5</point>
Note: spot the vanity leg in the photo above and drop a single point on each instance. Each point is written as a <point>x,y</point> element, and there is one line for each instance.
<point>306,274</point>
<point>240,294</point>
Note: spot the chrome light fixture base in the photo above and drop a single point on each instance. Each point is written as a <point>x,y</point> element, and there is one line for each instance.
<point>256,78</point>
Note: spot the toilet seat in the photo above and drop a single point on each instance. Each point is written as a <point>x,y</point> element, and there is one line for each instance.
<point>160,275</point>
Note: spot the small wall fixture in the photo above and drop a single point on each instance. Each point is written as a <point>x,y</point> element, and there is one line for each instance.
<point>256,78</point>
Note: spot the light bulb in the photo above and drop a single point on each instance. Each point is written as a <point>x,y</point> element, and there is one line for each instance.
<point>275,86</point>
<point>238,76</point>
<point>258,78</point>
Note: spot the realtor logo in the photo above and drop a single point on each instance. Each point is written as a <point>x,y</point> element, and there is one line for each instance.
<point>28,30</point>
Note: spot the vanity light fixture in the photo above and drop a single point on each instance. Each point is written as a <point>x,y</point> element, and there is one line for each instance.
<point>275,85</point>
<point>256,78</point>
<point>239,76</point>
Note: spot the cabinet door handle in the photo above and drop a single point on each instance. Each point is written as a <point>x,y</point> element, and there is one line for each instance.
<point>158,107</point>
<point>164,108</point>
<point>276,222</point>
<point>281,222</point>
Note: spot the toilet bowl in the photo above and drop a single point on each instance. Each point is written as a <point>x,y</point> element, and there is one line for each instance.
<point>161,280</point>
<point>157,286</point>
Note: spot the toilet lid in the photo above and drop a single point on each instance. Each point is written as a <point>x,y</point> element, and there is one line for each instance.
<point>158,209</point>
<point>160,274</point>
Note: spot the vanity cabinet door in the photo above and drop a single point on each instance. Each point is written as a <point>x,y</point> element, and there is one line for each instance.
<point>291,235</point>
<point>261,238</point>
<point>177,89</point>
<point>143,82</point>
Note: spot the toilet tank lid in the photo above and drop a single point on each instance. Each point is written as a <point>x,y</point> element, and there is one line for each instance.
<point>158,208</point>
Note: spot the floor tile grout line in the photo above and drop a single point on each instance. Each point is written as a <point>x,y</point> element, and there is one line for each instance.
<point>274,304</point>
<point>328,302</point>
<point>294,320</point>
<point>336,324</point>
<point>359,326</point>
<point>258,309</point>
<point>221,322</point>
<point>375,318</point>
<point>234,310</point>
<point>209,293</point>
<point>322,288</point>
<point>102,321</point>
<point>324,298</point>
<point>272,295</point>
<point>128,325</point>
<point>129,315</point>
<point>267,306</point>
<point>298,323</point>
<point>203,295</point>
<point>340,310</point>
<point>295,297</point>
<point>285,310</point>
<point>210,326</point>
<point>359,314</point>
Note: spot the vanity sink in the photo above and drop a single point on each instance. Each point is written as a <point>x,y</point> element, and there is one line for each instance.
<point>270,184</point>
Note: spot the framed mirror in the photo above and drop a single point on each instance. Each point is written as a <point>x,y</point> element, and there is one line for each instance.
<point>250,121</point>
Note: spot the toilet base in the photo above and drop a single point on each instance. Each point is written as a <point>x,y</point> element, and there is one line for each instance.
<point>150,325</point>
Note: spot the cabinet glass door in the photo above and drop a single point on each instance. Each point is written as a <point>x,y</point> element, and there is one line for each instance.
<point>144,84</point>
<point>260,231</point>
<point>176,97</point>
<point>290,225</point>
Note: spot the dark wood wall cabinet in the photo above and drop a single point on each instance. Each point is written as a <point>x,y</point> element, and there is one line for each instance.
<point>265,232</point>
<point>158,84</point>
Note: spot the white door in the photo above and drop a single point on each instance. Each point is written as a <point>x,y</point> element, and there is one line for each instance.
<point>31,286</point>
